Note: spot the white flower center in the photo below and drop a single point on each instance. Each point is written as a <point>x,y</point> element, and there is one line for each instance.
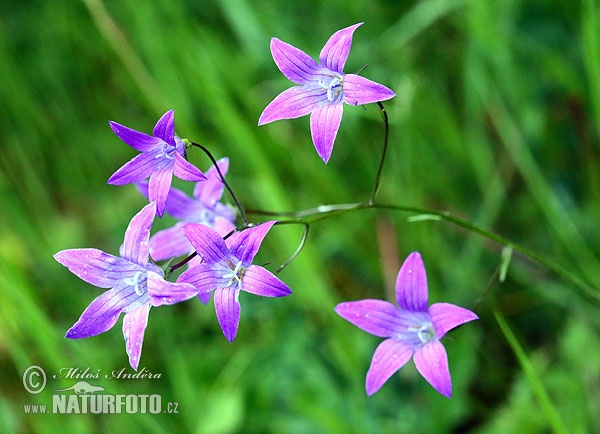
<point>425,332</point>
<point>236,275</point>
<point>167,151</point>
<point>333,86</point>
<point>139,281</point>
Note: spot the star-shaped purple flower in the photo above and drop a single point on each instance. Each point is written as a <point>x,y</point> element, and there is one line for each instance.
<point>323,87</point>
<point>135,285</point>
<point>227,269</point>
<point>412,329</point>
<point>162,155</point>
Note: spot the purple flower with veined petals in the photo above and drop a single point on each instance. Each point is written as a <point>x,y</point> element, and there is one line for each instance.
<point>323,88</point>
<point>412,329</point>
<point>135,285</point>
<point>227,269</point>
<point>162,155</point>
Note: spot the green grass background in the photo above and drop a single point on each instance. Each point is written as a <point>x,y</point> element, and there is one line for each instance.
<point>496,120</point>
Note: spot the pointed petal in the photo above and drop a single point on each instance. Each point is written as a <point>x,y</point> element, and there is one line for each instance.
<point>324,125</point>
<point>158,188</point>
<point>162,292</point>
<point>165,128</point>
<point>292,103</point>
<point>245,244</point>
<point>228,310</point>
<point>260,281</point>
<point>137,169</point>
<point>103,312</point>
<point>205,297</point>
<point>207,242</point>
<point>169,243</point>
<point>209,192</point>
<point>431,361</point>
<point>446,316</point>
<point>411,284</point>
<point>137,140</point>
<point>185,170</point>
<point>389,356</point>
<point>135,246</point>
<point>378,317</point>
<point>223,165</point>
<point>359,90</point>
<point>134,325</point>
<point>294,63</point>
<point>202,278</point>
<point>335,52</point>
<point>96,267</point>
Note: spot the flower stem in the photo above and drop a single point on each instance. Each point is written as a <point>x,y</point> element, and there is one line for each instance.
<point>231,193</point>
<point>300,245</point>
<point>324,212</point>
<point>383,153</point>
<point>181,263</point>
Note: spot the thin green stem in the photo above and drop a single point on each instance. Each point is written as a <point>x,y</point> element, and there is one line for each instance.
<point>300,245</point>
<point>383,153</point>
<point>549,410</point>
<point>327,211</point>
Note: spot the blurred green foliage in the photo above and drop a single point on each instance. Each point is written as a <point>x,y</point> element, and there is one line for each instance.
<point>496,120</point>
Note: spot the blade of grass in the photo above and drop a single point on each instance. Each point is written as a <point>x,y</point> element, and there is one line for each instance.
<point>549,410</point>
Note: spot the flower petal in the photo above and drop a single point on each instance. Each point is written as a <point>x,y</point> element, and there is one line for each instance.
<point>378,317</point>
<point>207,242</point>
<point>103,312</point>
<point>96,267</point>
<point>389,356</point>
<point>209,192</point>
<point>137,140</point>
<point>158,187</point>
<point>359,90</point>
<point>134,325</point>
<point>169,243</point>
<point>185,170</point>
<point>224,225</point>
<point>294,63</point>
<point>446,316</point>
<point>335,52</point>
<point>245,244</point>
<point>138,168</point>
<point>431,361</point>
<point>178,205</point>
<point>165,128</point>
<point>324,124</point>
<point>162,292</point>
<point>228,311</point>
<point>204,297</point>
<point>260,281</point>
<point>202,277</point>
<point>292,103</point>
<point>411,284</point>
<point>135,246</point>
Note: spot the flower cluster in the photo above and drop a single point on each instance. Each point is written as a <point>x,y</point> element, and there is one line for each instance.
<point>219,250</point>
<point>135,282</point>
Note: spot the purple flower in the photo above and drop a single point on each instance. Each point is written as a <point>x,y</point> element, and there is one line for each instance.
<point>227,269</point>
<point>323,88</point>
<point>162,155</point>
<point>412,329</point>
<point>135,285</point>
